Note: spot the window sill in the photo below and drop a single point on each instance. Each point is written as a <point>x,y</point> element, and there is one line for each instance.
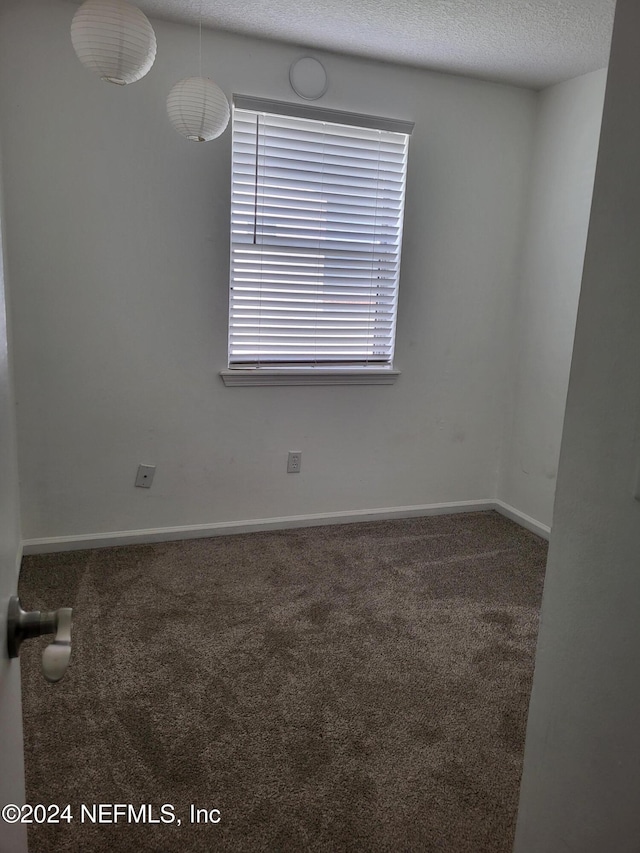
<point>309,376</point>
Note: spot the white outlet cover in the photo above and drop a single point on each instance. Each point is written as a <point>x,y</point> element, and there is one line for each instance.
<point>144,477</point>
<point>294,462</point>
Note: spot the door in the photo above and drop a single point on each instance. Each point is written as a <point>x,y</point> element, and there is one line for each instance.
<point>581,781</point>
<point>12,836</point>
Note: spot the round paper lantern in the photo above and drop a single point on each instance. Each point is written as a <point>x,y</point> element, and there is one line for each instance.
<point>114,39</point>
<point>198,109</point>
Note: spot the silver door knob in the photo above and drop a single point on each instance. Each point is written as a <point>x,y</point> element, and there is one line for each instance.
<point>23,624</point>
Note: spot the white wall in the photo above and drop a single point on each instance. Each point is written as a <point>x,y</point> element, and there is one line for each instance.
<point>13,838</point>
<point>564,159</point>
<point>119,264</point>
<point>581,774</point>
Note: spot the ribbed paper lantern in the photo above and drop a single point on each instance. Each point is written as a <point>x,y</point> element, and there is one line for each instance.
<point>114,39</point>
<point>198,109</point>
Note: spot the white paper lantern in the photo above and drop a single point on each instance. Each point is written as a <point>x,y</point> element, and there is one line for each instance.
<point>114,39</point>
<point>198,109</point>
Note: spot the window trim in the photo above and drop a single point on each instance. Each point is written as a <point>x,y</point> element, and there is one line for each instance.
<point>241,376</point>
<point>395,125</point>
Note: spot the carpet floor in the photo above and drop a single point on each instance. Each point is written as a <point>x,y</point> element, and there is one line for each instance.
<point>357,687</point>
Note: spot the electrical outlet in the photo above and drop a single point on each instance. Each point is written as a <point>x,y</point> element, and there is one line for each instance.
<point>294,462</point>
<point>144,477</point>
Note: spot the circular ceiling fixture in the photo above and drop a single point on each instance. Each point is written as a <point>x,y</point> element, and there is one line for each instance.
<point>308,78</point>
<point>198,109</point>
<point>114,39</point>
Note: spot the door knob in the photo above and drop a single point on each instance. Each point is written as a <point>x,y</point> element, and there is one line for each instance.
<point>23,624</point>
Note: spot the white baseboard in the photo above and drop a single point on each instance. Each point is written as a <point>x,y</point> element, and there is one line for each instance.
<point>225,528</point>
<point>522,519</point>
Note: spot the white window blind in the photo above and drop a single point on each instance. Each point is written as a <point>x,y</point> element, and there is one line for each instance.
<point>316,234</point>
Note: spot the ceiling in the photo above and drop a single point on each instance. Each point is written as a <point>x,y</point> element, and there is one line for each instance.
<point>532,43</point>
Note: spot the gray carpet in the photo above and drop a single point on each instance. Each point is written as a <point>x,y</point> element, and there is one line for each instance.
<point>357,687</point>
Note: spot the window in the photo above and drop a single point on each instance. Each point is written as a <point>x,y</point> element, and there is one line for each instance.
<point>316,233</point>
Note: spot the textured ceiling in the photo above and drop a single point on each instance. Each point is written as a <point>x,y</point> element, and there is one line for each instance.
<point>530,43</point>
